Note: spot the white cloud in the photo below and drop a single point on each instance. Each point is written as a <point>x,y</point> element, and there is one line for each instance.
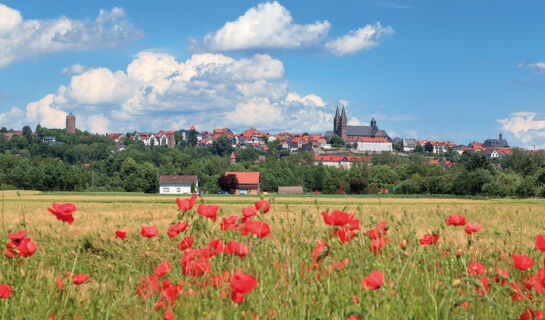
<point>74,69</point>
<point>538,67</point>
<point>356,40</point>
<point>525,128</point>
<point>20,39</point>
<point>158,92</point>
<point>355,122</point>
<point>271,26</point>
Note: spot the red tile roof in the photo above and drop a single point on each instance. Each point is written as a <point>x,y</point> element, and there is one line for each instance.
<point>246,177</point>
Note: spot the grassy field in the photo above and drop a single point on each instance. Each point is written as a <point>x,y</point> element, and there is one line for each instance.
<point>416,285</point>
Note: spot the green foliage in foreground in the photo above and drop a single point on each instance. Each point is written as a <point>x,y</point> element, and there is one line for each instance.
<point>416,286</point>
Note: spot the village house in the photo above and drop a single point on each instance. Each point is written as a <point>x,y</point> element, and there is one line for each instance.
<point>438,146</point>
<point>162,138</point>
<point>408,145</point>
<point>248,182</point>
<point>344,162</point>
<point>373,144</point>
<point>178,184</point>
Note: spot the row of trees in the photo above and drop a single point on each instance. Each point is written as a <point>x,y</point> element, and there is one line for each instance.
<point>90,162</point>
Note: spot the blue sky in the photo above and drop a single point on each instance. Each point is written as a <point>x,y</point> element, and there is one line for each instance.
<point>459,70</point>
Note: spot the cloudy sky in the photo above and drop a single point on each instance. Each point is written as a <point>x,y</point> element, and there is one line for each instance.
<point>458,70</point>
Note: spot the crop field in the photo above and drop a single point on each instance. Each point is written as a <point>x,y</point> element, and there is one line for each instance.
<point>373,258</point>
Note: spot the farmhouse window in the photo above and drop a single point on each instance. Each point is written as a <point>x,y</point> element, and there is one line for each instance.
<point>165,190</point>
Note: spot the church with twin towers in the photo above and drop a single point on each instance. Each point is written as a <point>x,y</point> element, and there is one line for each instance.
<point>354,133</point>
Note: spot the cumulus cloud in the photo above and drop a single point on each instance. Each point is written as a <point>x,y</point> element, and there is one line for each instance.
<point>356,40</point>
<point>525,128</point>
<point>20,39</point>
<point>271,26</point>
<point>74,69</point>
<point>156,91</point>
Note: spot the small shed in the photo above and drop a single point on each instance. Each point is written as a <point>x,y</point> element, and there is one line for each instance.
<point>290,190</point>
<point>178,184</point>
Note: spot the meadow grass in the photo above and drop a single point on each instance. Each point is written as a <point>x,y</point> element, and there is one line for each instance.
<point>416,285</point>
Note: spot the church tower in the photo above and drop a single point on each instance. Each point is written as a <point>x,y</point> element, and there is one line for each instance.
<point>337,123</point>
<point>343,134</point>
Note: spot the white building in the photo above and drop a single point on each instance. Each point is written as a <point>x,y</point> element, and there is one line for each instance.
<point>374,145</point>
<point>178,184</point>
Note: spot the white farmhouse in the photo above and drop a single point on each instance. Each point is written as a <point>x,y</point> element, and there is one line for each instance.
<point>178,184</point>
<point>374,144</point>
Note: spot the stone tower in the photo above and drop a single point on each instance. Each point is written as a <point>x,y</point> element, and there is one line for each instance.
<point>71,123</point>
<point>337,123</point>
<point>343,134</point>
<point>171,140</point>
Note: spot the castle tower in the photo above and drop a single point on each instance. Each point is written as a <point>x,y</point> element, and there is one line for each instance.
<point>337,123</point>
<point>501,136</point>
<point>171,140</point>
<point>343,134</point>
<point>71,123</point>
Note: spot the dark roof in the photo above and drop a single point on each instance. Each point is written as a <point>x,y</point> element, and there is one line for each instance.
<point>359,131</point>
<point>495,143</point>
<point>178,179</point>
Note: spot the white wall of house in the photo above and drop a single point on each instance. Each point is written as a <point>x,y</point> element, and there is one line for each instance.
<point>176,188</point>
<point>374,146</point>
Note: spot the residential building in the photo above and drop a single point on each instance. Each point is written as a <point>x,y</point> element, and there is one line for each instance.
<point>408,145</point>
<point>374,145</point>
<point>178,184</point>
<point>248,182</point>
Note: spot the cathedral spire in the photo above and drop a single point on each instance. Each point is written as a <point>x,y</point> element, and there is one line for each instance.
<point>343,115</point>
<point>337,113</point>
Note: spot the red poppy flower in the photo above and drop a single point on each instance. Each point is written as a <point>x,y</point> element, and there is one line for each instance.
<point>343,234</point>
<point>376,245</point>
<point>530,314</point>
<point>247,213</point>
<point>16,238</point>
<point>259,228</point>
<point>26,248</point>
<point>429,239</point>
<point>235,247</point>
<point>229,223</point>
<point>187,203</point>
<point>63,212</point>
<point>149,231</point>
<point>215,246</point>
<point>196,268</point>
<point>241,284</point>
<point>320,250</point>
<point>263,204</point>
<point>337,218</point>
<point>472,227</point>
<point>5,291</point>
<point>79,278</point>
<point>522,262</point>
<point>373,281</point>
<point>147,286</point>
<point>403,244</point>
<point>187,242</point>
<point>208,211</point>
<point>162,269</point>
<point>455,220</point>
<point>120,235</point>
<point>475,268</point>
<point>484,283</point>
<point>177,228</point>
<point>540,242</point>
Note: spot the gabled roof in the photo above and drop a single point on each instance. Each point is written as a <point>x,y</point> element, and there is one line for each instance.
<point>246,177</point>
<point>178,179</point>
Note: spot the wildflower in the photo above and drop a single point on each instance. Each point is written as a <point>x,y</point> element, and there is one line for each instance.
<point>337,218</point>
<point>263,204</point>
<point>149,231</point>
<point>187,242</point>
<point>63,212</point>
<point>162,269</point>
<point>472,227</point>
<point>475,268</point>
<point>429,239</point>
<point>522,262</point>
<point>186,204</point>
<point>248,212</point>
<point>229,223</point>
<point>373,281</point>
<point>241,284</point>
<point>80,278</point>
<point>177,228</point>
<point>530,314</point>
<point>259,228</point>
<point>540,242</point>
<point>5,291</point>
<point>455,220</point>
<point>120,235</point>
<point>208,211</point>
<point>235,247</point>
